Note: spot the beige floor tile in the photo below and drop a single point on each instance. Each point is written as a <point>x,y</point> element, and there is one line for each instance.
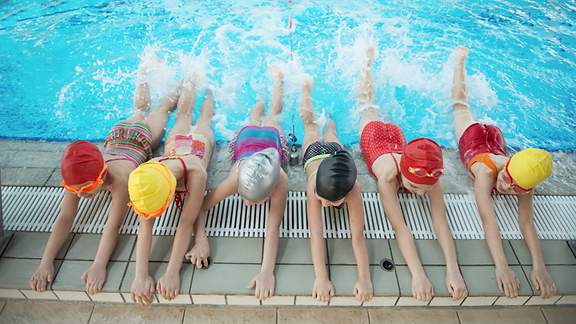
<point>522,315</point>
<point>46,312</point>
<point>314,315</point>
<point>229,315</point>
<point>381,301</point>
<point>309,301</point>
<point>241,300</point>
<point>11,294</point>
<point>209,299</point>
<point>279,301</point>
<point>537,300</point>
<point>567,300</point>
<point>44,295</point>
<point>560,315</point>
<point>126,314</point>
<point>413,315</point>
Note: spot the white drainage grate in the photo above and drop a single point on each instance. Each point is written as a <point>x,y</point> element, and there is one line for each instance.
<point>36,209</point>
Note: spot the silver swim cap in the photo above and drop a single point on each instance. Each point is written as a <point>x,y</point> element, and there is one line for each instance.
<point>258,174</point>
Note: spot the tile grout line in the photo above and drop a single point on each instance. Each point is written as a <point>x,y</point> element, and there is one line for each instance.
<point>369,319</point>
<point>91,312</point>
<point>458,315</point>
<point>543,315</point>
<point>49,177</point>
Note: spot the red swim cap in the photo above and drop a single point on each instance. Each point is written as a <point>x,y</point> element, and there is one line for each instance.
<point>422,161</point>
<point>81,162</point>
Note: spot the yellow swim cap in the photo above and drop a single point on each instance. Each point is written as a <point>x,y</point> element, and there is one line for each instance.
<point>530,167</point>
<point>151,187</point>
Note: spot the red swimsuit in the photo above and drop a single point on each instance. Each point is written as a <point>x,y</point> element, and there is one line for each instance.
<point>379,138</point>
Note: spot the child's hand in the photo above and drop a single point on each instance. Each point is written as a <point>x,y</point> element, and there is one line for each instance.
<point>94,278</point>
<point>363,290</point>
<point>322,290</point>
<point>422,288</point>
<point>199,254</point>
<point>507,282</point>
<point>43,276</point>
<point>263,282</point>
<point>169,285</point>
<point>142,290</point>
<point>456,285</point>
<point>542,281</point>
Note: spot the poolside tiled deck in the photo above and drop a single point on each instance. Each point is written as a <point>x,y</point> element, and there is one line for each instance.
<point>236,260</point>
<point>75,312</point>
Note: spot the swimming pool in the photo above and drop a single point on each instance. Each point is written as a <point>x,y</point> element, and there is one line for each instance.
<point>67,68</point>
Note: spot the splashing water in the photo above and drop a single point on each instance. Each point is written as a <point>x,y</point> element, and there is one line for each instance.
<point>68,69</point>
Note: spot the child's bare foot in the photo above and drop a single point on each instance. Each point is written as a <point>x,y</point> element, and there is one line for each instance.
<point>94,278</point>
<point>369,56</point>
<point>200,253</point>
<point>461,53</point>
<point>276,73</point>
<point>169,285</point>
<point>42,278</point>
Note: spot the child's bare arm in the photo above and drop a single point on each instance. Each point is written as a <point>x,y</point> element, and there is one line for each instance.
<point>188,217</point>
<point>45,273</point>
<point>323,288</point>
<point>264,282</point>
<point>454,281</point>
<point>275,215</point>
<point>226,188</point>
<point>505,277</point>
<point>539,276</point>
<point>169,284</point>
<point>421,287</point>
<point>95,277</point>
<point>363,290</point>
<point>143,285</point>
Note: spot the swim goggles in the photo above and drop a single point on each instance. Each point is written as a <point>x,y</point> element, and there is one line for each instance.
<point>517,188</point>
<point>421,172</point>
<point>90,186</point>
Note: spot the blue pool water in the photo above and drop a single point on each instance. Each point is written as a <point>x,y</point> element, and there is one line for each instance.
<point>67,68</point>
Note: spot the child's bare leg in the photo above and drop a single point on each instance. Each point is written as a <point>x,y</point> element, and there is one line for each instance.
<point>366,92</point>
<point>256,114</point>
<point>203,125</point>
<point>330,134</point>
<point>141,102</point>
<point>311,129</point>
<point>184,109</point>
<point>462,115</point>
<point>159,116</point>
<point>277,99</point>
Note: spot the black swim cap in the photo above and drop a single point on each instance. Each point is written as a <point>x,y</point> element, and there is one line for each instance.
<point>336,176</point>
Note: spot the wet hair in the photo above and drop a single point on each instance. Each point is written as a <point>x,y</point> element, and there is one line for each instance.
<point>336,176</point>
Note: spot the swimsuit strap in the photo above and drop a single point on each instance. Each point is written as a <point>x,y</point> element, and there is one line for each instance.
<point>179,194</point>
<point>118,159</point>
<point>398,174</point>
<point>315,158</point>
<point>485,159</point>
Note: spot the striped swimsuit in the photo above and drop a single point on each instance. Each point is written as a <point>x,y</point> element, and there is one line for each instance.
<point>130,141</point>
<point>252,139</point>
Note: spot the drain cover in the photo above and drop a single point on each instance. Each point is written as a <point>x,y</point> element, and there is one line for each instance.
<point>386,264</point>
